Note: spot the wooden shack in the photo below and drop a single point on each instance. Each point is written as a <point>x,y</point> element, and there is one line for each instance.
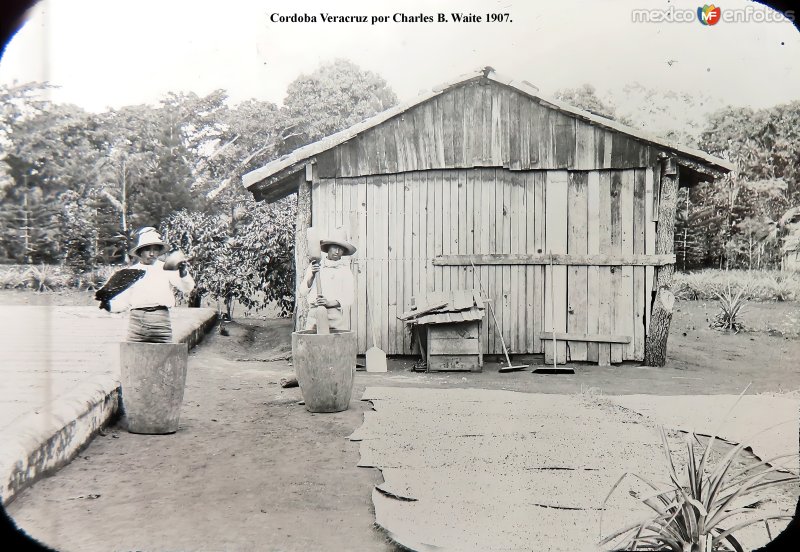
<point>485,182</point>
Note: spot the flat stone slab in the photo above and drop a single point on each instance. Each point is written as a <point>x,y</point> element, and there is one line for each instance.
<point>487,470</point>
<point>59,382</point>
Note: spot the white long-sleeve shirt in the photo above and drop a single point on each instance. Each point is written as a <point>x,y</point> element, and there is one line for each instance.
<point>337,285</point>
<point>337,282</point>
<point>153,289</point>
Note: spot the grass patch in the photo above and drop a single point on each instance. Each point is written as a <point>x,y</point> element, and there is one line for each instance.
<point>763,285</point>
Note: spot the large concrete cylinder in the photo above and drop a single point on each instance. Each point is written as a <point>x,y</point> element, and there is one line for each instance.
<point>325,365</point>
<point>153,378</point>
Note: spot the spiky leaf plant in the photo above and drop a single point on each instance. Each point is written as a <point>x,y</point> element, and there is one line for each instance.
<point>700,511</point>
<point>731,304</point>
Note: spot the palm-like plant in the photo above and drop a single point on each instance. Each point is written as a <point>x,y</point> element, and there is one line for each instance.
<point>731,304</point>
<point>702,511</point>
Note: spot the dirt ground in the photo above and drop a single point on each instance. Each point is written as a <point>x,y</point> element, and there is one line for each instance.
<point>251,469</point>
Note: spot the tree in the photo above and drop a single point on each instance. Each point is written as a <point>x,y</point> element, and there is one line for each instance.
<point>47,150</point>
<point>675,116</point>
<point>585,97</point>
<point>246,137</point>
<point>335,96</point>
<point>762,144</point>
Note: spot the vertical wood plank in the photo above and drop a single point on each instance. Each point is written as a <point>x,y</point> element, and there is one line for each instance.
<point>439,132</point>
<point>464,195</point>
<point>608,142</point>
<point>639,233</point>
<point>616,272</point>
<point>383,253</point>
<point>496,151</point>
<point>564,141</point>
<point>373,284</point>
<point>545,135</point>
<point>430,229</point>
<point>467,223</point>
<point>390,145</point>
<point>593,272</point>
<point>478,228</point>
<point>529,220</point>
<point>391,263</point>
<point>487,244</point>
<point>408,256</point>
<point>421,140</point>
<point>447,102</point>
<point>458,115</point>
<point>361,274</point>
<point>650,245</point>
<point>518,245</point>
<point>584,146</point>
<point>534,134</point>
<point>505,126</point>
<point>605,290</point>
<point>344,191</point>
<point>556,235</point>
<point>422,235</point>
<point>429,135</point>
<point>485,130</point>
<point>512,155</point>
<point>504,272</point>
<point>455,224</point>
<point>656,194</point>
<point>468,128</point>
<point>495,273</point>
<point>599,148</point>
<point>339,191</point>
<point>376,153</point>
<point>447,227</point>
<point>577,276</point>
<point>627,201</point>
<point>438,209</point>
<point>539,271</point>
<point>524,137</point>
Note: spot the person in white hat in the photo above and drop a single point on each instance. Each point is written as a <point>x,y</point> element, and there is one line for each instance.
<point>150,297</point>
<point>337,282</point>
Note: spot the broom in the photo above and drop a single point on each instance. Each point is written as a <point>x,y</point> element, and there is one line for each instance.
<point>508,368</point>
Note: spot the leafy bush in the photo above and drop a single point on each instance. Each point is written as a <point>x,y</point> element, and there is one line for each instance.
<point>247,257</point>
<point>703,507</point>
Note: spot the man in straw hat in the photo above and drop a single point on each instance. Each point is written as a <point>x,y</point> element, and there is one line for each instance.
<point>337,282</point>
<point>150,297</point>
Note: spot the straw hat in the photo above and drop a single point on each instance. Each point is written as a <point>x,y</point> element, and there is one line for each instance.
<point>338,237</point>
<point>148,236</point>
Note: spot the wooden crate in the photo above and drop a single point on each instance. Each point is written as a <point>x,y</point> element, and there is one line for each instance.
<point>454,347</point>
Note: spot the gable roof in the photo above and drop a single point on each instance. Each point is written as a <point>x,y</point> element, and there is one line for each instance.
<point>293,162</point>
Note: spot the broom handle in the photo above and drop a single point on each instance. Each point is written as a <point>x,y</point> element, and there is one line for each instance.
<point>491,311</point>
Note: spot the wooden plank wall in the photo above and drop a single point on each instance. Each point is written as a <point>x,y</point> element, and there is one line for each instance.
<point>400,222</point>
<point>483,125</point>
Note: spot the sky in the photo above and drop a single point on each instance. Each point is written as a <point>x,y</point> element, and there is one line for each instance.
<point>109,53</point>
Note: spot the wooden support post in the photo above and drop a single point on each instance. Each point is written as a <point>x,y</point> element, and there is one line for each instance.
<point>302,223</point>
<point>655,353</point>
